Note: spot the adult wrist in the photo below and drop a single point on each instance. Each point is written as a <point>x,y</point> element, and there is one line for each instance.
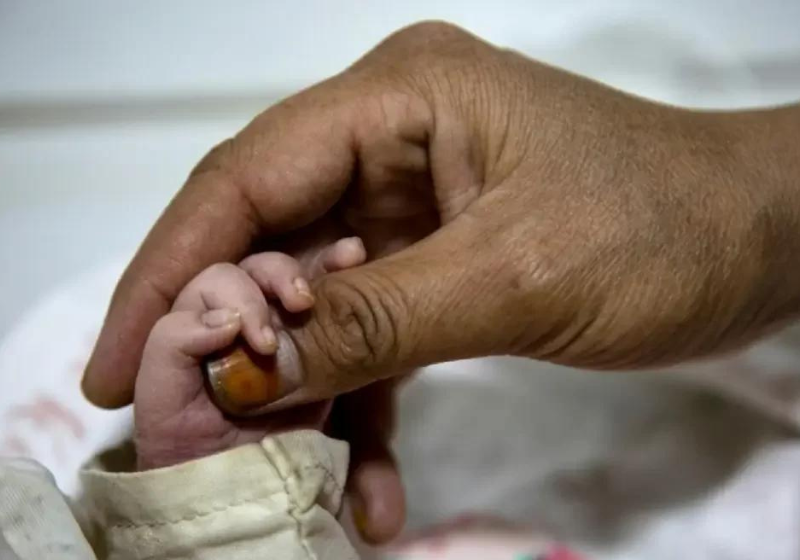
<point>763,148</point>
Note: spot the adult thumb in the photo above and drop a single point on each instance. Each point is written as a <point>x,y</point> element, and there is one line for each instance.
<point>450,296</point>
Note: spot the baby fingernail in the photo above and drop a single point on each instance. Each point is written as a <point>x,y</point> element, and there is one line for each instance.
<point>303,288</point>
<point>270,340</point>
<point>220,318</point>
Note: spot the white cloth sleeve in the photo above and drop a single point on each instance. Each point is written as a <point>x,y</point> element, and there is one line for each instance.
<point>276,499</point>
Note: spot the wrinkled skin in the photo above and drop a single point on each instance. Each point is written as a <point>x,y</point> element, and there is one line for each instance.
<point>507,208</point>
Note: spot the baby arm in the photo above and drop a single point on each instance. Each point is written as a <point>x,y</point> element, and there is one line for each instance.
<point>209,485</point>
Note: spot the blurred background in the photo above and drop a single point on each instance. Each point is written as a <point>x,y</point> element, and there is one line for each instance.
<point>106,106</point>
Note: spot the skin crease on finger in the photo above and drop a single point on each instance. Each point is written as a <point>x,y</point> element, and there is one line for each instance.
<point>509,208</point>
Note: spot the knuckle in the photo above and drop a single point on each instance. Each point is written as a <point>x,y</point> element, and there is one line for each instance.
<point>254,265</point>
<point>423,43</point>
<point>432,30</point>
<point>215,158</point>
<point>357,328</point>
<point>250,264</point>
<point>441,60</point>
<point>220,270</point>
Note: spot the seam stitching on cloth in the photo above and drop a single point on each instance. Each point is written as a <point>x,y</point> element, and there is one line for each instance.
<point>231,505</point>
<point>328,475</point>
<point>292,506</point>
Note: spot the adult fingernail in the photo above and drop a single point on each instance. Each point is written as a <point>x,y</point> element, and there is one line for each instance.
<point>270,340</point>
<point>359,515</point>
<point>219,318</point>
<point>303,289</point>
<point>245,382</point>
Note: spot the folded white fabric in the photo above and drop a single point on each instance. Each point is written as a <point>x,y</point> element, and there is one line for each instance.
<point>276,499</point>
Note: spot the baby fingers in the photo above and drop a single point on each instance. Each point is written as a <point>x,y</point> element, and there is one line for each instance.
<point>280,276</point>
<point>226,286</point>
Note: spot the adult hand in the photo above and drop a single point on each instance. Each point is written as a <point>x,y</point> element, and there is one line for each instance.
<point>523,210</point>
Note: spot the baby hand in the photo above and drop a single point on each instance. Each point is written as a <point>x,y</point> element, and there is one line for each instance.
<point>176,419</point>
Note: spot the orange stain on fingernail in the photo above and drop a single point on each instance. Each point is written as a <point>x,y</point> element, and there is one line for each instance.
<point>242,379</point>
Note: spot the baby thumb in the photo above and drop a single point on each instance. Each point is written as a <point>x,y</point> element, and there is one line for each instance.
<point>170,378</point>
